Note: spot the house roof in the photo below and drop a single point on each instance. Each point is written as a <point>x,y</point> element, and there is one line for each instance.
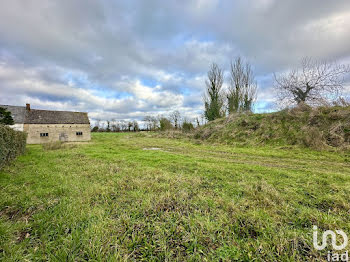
<point>17,113</point>
<point>21,115</point>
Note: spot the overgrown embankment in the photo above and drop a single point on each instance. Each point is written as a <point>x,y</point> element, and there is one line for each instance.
<point>317,128</point>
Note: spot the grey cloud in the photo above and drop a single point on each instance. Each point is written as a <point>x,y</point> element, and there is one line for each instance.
<point>114,45</point>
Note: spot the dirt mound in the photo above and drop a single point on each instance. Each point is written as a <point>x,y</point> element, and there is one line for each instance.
<point>317,128</point>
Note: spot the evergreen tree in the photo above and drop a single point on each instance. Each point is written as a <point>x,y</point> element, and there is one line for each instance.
<point>5,117</point>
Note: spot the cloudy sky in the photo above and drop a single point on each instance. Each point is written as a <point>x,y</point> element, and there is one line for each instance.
<point>127,59</point>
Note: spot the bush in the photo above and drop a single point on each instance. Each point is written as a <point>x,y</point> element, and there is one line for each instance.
<point>94,129</point>
<point>12,144</point>
<point>187,126</point>
<point>165,124</point>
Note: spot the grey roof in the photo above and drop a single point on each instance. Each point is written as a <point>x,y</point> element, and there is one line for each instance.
<point>17,113</point>
<point>34,116</point>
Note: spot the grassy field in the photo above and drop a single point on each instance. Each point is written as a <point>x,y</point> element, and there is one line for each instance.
<point>134,197</point>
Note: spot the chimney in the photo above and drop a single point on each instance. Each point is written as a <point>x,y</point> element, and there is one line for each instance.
<point>28,107</point>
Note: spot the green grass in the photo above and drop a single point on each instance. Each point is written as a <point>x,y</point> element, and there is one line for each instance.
<point>112,200</point>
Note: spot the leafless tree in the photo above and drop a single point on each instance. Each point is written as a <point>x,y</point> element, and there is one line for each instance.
<point>242,87</point>
<point>108,128</point>
<point>154,123</point>
<point>175,118</point>
<point>135,126</point>
<point>98,123</point>
<point>130,125</point>
<point>123,125</point>
<point>148,122</point>
<point>151,122</point>
<point>102,126</point>
<point>197,121</point>
<point>341,101</point>
<point>313,83</point>
<point>115,127</point>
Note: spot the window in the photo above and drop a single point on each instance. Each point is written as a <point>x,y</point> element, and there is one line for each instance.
<point>79,133</point>
<point>44,134</point>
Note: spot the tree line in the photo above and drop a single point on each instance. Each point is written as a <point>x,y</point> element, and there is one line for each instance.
<point>173,121</point>
<point>115,126</point>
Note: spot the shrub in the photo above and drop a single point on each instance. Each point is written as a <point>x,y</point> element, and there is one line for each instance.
<point>165,124</point>
<point>187,126</point>
<point>12,144</point>
<point>94,129</point>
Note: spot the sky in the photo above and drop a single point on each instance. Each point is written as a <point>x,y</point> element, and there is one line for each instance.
<point>128,59</point>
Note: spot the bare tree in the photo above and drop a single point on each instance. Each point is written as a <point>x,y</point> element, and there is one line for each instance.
<point>102,126</point>
<point>175,118</point>
<point>96,126</point>
<point>117,127</point>
<point>108,129</point>
<point>123,125</point>
<point>203,119</point>
<point>341,101</point>
<point>213,98</point>
<point>148,122</point>
<point>135,126</point>
<point>242,87</point>
<point>197,121</point>
<point>130,125</point>
<point>98,123</point>
<point>313,83</point>
<point>250,87</point>
<point>151,122</point>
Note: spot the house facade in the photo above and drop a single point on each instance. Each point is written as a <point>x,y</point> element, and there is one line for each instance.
<point>43,126</point>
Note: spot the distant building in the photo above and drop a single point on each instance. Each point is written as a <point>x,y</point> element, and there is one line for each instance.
<point>44,126</point>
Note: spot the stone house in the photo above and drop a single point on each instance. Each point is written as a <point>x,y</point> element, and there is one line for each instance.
<point>43,126</point>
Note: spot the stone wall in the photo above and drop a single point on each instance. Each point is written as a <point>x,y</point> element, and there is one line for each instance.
<point>56,132</point>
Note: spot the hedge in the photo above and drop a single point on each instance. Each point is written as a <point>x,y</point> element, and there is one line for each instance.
<point>12,144</point>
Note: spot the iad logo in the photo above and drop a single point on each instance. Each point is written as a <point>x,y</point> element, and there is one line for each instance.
<point>332,256</point>
<point>333,237</point>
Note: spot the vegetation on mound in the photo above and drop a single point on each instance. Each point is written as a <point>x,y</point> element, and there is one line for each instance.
<point>317,128</point>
